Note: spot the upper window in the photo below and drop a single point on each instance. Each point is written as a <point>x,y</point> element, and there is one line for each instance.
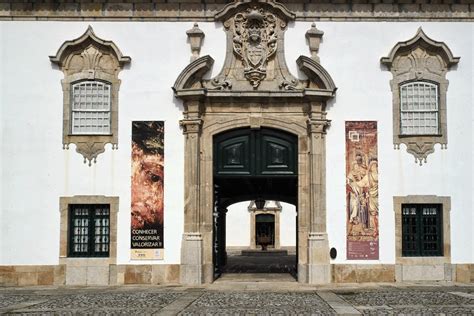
<point>419,89</point>
<point>89,230</point>
<point>422,230</point>
<point>419,108</point>
<point>91,108</point>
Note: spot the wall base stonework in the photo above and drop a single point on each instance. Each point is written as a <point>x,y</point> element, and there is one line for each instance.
<point>88,275</point>
<point>360,273</point>
<point>435,272</point>
<point>170,273</point>
<point>32,275</point>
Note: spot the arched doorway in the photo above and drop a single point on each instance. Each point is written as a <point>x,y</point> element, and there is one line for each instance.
<point>251,164</point>
<point>245,95</point>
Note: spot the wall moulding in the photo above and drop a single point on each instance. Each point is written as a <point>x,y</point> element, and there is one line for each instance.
<point>90,58</point>
<point>396,10</point>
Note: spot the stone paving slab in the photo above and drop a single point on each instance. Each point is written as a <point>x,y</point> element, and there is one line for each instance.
<point>259,303</point>
<point>247,298</point>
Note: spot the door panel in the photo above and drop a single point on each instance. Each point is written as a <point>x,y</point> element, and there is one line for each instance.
<point>259,152</point>
<point>277,156</point>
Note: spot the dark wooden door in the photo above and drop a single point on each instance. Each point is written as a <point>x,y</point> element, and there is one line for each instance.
<point>255,152</point>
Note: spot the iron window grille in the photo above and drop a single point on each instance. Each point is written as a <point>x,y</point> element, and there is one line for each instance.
<point>422,232</point>
<point>91,108</point>
<point>89,230</point>
<point>419,108</point>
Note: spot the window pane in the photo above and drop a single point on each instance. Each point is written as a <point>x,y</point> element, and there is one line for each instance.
<point>421,230</point>
<point>89,231</point>
<point>419,109</point>
<point>91,108</point>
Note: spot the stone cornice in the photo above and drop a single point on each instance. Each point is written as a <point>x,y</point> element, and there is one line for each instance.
<point>174,10</point>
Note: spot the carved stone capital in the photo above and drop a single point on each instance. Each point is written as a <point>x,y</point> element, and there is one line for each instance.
<point>191,125</point>
<point>318,125</point>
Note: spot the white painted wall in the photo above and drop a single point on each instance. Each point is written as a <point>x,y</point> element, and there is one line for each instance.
<point>36,171</point>
<point>238,225</point>
<point>287,225</point>
<point>351,53</point>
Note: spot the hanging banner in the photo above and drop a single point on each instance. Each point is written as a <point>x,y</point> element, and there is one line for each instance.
<point>362,190</point>
<point>147,190</point>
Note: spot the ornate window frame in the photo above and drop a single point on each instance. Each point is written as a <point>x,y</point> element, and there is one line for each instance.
<point>90,58</point>
<point>420,59</point>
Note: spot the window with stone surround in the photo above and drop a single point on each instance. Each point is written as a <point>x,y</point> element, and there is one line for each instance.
<point>88,227</point>
<point>422,229</point>
<point>89,230</point>
<point>419,88</point>
<point>90,86</point>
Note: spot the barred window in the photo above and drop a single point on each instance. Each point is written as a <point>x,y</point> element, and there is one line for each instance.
<point>89,230</point>
<point>91,108</point>
<point>419,109</point>
<point>422,230</point>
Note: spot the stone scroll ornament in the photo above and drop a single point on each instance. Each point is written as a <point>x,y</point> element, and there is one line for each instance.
<point>255,42</point>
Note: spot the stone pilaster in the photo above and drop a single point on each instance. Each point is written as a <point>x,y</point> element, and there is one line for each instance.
<point>319,269</point>
<point>191,259</point>
<point>191,248</point>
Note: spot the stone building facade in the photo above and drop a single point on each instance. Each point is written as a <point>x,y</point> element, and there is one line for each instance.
<point>365,127</point>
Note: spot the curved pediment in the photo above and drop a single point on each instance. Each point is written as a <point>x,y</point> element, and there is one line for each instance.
<point>191,76</point>
<point>255,65</point>
<point>421,40</point>
<point>316,73</point>
<point>81,43</point>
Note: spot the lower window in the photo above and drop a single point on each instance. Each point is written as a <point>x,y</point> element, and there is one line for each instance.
<point>422,234</point>
<point>89,230</point>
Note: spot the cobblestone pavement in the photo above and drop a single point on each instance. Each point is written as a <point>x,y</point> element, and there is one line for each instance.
<point>244,298</point>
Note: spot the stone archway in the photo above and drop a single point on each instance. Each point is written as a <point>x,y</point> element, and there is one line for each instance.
<point>250,164</point>
<point>254,93</point>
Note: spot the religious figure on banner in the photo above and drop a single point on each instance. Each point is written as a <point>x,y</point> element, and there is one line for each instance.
<point>357,172</point>
<point>362,190</point>
<point>370,188</point>
<point>147,175</point>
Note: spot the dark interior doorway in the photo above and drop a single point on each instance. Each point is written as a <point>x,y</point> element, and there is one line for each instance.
<point>265,230</point>
<point>251,164</point>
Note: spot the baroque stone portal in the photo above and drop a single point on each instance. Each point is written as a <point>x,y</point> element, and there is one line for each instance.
<point>254,90</point>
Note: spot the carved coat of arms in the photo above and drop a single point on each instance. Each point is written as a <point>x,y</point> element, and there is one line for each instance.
<point>255,42</point>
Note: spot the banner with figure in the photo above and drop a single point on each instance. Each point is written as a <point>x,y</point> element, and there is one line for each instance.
<point>147,190</point>
<point>362,190</point>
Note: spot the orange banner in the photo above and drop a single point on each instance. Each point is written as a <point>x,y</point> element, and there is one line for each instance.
<point>147,188</point>
<point>362,190</point>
